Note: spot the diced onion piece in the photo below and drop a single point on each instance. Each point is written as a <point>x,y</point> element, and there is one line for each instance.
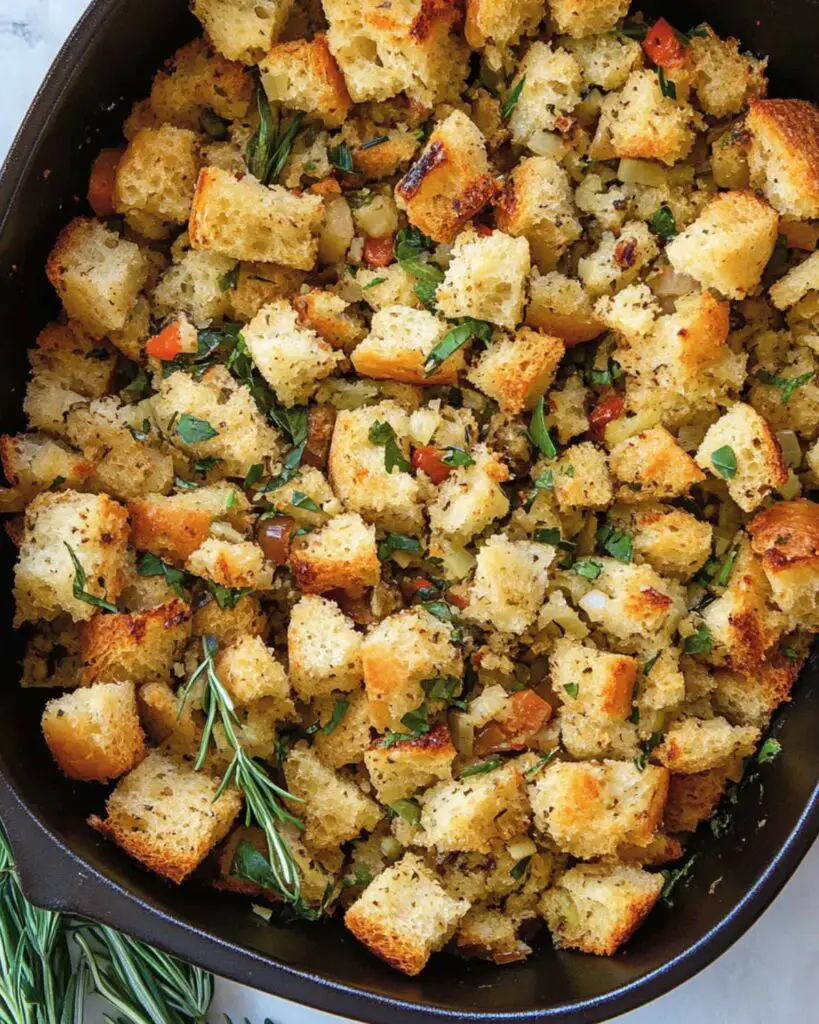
<point>391,848</point>
<point>791,450</point>
<point>668,284</point>
<point>558,614</point>
<point>422,425</point>
<point>265,913</point>
<point>792,487</point>
<point>566,908</point>
<point>641,172</point>
<point>463,733</point>
<point>594,603</point>
<point>548,144</point>
<point>378,218</point>
<point>458,563</point>
<point>625,427</point>
<point>276,86</point>
<point>521,847</point>
<point>338,231</point>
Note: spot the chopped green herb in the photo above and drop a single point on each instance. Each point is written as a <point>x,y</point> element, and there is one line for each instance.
<point>617,543</point>
<point>482,768</point>
<point>150,565</point>
<point>339,711</point>
<point>440,609</point>
<point>512,99</point>
<point>520,869</point>
<point>543,760</point>
<point>228,597</point>
<point>254,476</point>
<point>141,435</point>
<point>79,591</point>
<point>203,466</point>
<point>633,31</point>
<point>382,434</point>
<point>232,500</point>
<point>539,432</point>
<point>442,688</point>
<point>374,283</point>
<point>652,661</point>
<point>391,738</point>
<point>786,385</point>
<point>587,568</point>
<point>56,482</point>
<point>456,457</point>
<point>139,386</point>
<point>379,140</point>
<point>547,535</point>
<point>193,430</point>
<point>228,281</point>
<point>398,542</point>
<point>573,689</point>
<point>185,485</point>
<point>700,642</point>
<point>293,422</point>
<point>410,243</point>
<point>789,652</point>
<point>269,147</point>
<point>769,751</point>
<point>724,462</point>
<point>215,127</point>
<point>417,720</point>
<point>341,157</point>
<point>726,569</point>
<point>428,276</point>
<point>640,761</point>
<point>363,876</point>
<point>409,810</point>
<point>545,482</point>
<point>673,876</point>
<point>663,223</point>
<point>300,500</point>
<point>455,339</point>
<point>612,373</point>
<point>667,87</point>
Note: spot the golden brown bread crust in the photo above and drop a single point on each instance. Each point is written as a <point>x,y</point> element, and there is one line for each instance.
<point>330,89</point>
<point>166,531</point>
<point>792,126</point>
<point>693,798</point>
<point>786,535</point>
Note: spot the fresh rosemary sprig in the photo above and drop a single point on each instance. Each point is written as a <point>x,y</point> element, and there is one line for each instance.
<point>262,796</point>
<point>270,145</point>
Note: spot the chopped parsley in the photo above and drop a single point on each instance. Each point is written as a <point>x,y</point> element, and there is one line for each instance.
<point>339,711</point>
<point>652,661</point>
<point>456,457</point>
<point>382,434</point>
<point>229,281</point>
<point>673,877</point>
<point>455,339</point>
<point>539,432</point>
<point>228,597</point>
<point>150,565</point>
<point>725,570</point>
<point>617,543</point>
<point>724,461</point>
<point>573,689</point>
<point>512,99</point>
<point>442,688</point>
<point>300,500</point>
<point>374,283</point>
<point>587,568</point>
<point>254,476</point>
<point>700,642</point>
<point>520,869</point>
<point>769,751</point>
<point>786,385</point>
<point>398,542</point>
<point>663,223</point>
<point>193,430</point>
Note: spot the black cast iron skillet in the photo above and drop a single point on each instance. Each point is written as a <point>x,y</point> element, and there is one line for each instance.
<point>106,64</point>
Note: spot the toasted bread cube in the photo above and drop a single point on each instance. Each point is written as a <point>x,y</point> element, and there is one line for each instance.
<point>470,498</point>
<point>640,603</point>
<point>692,337</point>
<point>652,465</point>
<point>93,733</point>
<point>350,739</point>
<point>164,814</point>
<point>398,771</point>
<point>664,685</point>
<point>631,313</point>
<point>752,699</point>
<point>581,478</point>
<point>588,809</point>
<point>694,745</point>
<point>495,27</point>
<point>33,463</point>
<point>229,624</point>
<point>237,564</point>
<point>618,259</point>
<point>693,798</point>
<point>334,809</point>
<point>510,583</point>
<point>597,907</point>
<point>158,706</point>
<point>390,286</point>
<point>312,484</point>
<point>568,408</point>
<point>586,737</point>
<point>491,935</point>
<point>194,79</point>
<point>405,915</point>
<point>358,472</point>
<point>486,279</point>
<point>580,18</point>
<point>242,29</point>
<point>517,370</point>
<point>641,123</point>
<point>259,284</point>
<point>559,305</point>
<point>291,358</point>
<point>472,814</point>
<point>537,203</point>
<point>52,656</point>
<point>728,246</point>
<point>605,60</point>
<point>760,467</point>
<point>399,345</point>
<point>724,78</point>
<point>450,182</point>
<point>671,540</point>
<point>303,75</point>
<point>604,681</point>
<point>251,673</point>
<point>139,647</point>
<point>242,436</point>
<point>400,653</point>
<point>552,84</point>
<point>341,555</point>
<point>77,361</point>
<point>786,538</point>
<point>157,174</point>
<point>239,217</point>
<point>784,154</point>
<point>796,284</point>
<point>97,275</point>
<point>323,647</point>
<point>96,528</point>
<point>192,285</point>
<point>331,317</point>
<point>413,48</point>
<point>166,527</point>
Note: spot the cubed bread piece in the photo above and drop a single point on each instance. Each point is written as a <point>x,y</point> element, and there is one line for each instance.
<point>139,647</point>
<point>470,498</point>
<point>491,935</point>
<point>581,478</point>
<point>242,29</point>
<point>784,154</point>
<point>694,745</point>
<point>537,203</point>
<point>193,284</point>
<point>405,915</point>
<point>568,408</point>
<point>323,647</point>
<point>495,27</point>
<point>742,437</point>
<point>334,809</point>
<point>559,305</point>
<point>580,18</point>
<point>586,738</point>
<point>157,174</point>
<point>290,357</point>
<point>167,816</point>
<point>729,244</point>
<point>552,84</point>
<point>663,685</point>
<point>358,472</point>
<point>450,181</point>
<point>303,75</point>
<point>602,683</point>
<point>401,769</point>
<point>486,279</point>
<point>229,624</point>
<point>75,359</point>
<point>158,706</point>
<point>33,463</point>
<point>618,259</point>
<point>671,540</point>
<point>473,813</point>
<point>97,275</point>
<point>167,527</point>
<point>636,601</point>
<point>516,370</point>
<point>691,338</point>
<point>399,344</point>
<point>588,809</point>
<point>197,78</point>
<point>95,529</point>
<point>217,417</point>
<point>606,60</point>
<point>331,317</point>
<point>509,585</point>
<point>235,564</point>
<point>414,48</point>
<point>341,555</point>
<point>259,284</point>
<point>693,798</point>
<point>631,313</point>
<point>398,655</point>
<point>390,286</point>
<point>786,538</point>
<point>93,733</point>
<point>597,907</point>
<point>751,699</point>
<point>651,465</point>
<point>250,673</point>
<point>239,217</point>
<point>349,739</point>
<point>796,284</point>
<point>312,484</point>
<point>724,78</point>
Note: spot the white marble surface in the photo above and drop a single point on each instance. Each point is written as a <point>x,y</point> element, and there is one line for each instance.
<point>768,977</point>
